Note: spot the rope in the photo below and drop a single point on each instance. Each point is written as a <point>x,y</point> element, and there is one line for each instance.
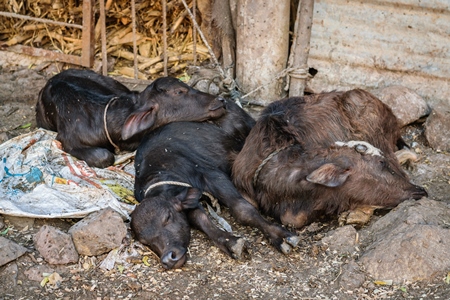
<point>264,162</point>
<point>116,148</point>
<point>214,201</point>
<point>298,73</point>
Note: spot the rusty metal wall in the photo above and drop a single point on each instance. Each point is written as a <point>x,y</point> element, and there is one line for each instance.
<point>373,44</point>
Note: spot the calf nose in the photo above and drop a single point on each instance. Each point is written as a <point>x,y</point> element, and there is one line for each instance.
<point>419,192</point>
<point>173,259</point>
<point>221,99</point>
<point>219,103</point>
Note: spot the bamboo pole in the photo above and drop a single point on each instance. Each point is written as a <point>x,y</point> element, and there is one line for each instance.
<point>133,19</point>
<point>194,31</point>
<point>301,48</point>
<point>164,11</point>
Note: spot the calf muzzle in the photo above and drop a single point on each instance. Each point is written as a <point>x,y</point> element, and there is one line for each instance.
<point>419,193</point>
<point>174,258</point>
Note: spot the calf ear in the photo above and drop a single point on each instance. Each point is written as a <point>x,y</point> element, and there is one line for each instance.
<point>329,175</point>
<point>188,198</point>
<point>139,121</point>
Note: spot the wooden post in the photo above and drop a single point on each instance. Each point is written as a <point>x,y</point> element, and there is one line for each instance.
<point>262,44</point>
<point>88,36</point>
<point>301,48</point>
<point>103,37</point>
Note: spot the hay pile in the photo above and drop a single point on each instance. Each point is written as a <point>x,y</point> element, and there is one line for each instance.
<point>149,32</point>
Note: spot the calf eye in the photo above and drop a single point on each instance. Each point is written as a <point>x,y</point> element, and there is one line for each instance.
<point>361,148</point>
<point>167,218</point>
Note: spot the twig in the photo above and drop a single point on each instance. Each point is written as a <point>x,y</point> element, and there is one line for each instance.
<point>14,15</point>
<point>211,53</point>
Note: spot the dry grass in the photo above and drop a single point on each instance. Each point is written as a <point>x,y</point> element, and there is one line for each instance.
<point>149,32</point>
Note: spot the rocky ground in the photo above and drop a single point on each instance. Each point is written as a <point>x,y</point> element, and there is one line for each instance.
<point>402,254</point>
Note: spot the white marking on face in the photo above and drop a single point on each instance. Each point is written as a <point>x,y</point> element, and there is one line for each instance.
<point>370,149</point>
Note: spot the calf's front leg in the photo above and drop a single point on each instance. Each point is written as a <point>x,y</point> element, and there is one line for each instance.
<point>235,247</point>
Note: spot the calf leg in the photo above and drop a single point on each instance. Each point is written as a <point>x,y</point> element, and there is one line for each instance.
<point>228,243</point>
<point>94,156</point>
<point>248,215</point>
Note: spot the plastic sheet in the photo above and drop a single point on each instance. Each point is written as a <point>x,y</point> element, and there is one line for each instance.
<point>39,180</point>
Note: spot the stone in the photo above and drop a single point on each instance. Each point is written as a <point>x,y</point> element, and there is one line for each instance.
<point>437,128</point>
<point>36,273</point>
<point>98,233</point>
<point>55,246</point>
<point>406,104</point>
<point>10,250</point>
<point>410,243</point>
<point>9,276</point>
<point>343,239</point>
<point>351,277</point>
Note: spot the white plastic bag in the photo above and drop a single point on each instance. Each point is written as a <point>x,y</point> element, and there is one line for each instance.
<point>39,180</point>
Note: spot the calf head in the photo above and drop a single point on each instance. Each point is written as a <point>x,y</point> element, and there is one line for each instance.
<point>167,100</point>
<point>160,222</point>
<point>350,175</point>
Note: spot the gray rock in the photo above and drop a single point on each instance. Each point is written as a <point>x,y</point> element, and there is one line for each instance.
<point>9,251</point>
<point>36,273</point>
<point>406,105</point>
<point>55,246</point>
<point>9,276</point>
<point>410,243</point>
<point>3,137</point>
<point>98,233</point>
<point>351,277</point>
<point>343,240</point>
<point>2,223</point>
<point>437,128</point>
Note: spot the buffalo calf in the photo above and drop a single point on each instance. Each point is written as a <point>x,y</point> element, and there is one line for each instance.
<point>177,164</point>
<point>321,155</point>
<point>96,115</point>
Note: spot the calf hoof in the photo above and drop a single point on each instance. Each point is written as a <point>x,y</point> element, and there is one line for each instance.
<point>240,249</point>
<point>289,243</point>
<point>235,247</point>
<point>293,240</point>
<point>285,248</point>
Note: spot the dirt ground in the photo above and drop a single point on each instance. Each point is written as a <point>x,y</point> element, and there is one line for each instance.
<point>310,272</point>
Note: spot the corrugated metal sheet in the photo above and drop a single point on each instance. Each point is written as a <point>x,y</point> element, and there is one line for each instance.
<point>373,44</point>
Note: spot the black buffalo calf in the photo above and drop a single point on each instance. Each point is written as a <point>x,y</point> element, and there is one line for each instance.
<point>95,115</point>
<point>175,165</point>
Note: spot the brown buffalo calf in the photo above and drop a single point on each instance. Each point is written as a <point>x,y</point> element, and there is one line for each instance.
<point>95,115</point>
<point>323,154</point>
